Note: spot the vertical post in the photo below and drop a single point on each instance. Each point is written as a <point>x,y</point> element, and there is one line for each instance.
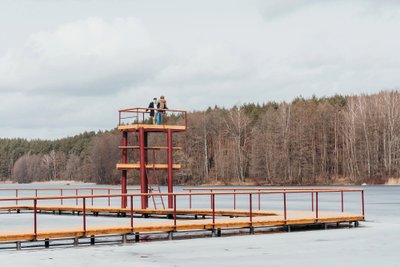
<point>362,202</point>
<point>251,207</point>
<point>170,164</point>
<point>259,200</point>
<point>16,196</point>
<point>316,205</point>
<point>234,199</point>
<point>35,217</point>
<point>211,199</point>
<point>91,192</point>
<point>84,214</point>
<point>61,199</point>
<point>342,200</point>
<point>190,198</point>
<point>213,208</point>
<point>36,192</point>
<point>131,213</point>
<point>143,176</point>
<point>109,198</point>
<point>76,199</point>
<point>174,210</point>
<point>284,207</point>
<point>312,201</point>
<point>124,172</point>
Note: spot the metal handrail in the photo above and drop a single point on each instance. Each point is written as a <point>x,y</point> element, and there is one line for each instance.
<point>141,115</point>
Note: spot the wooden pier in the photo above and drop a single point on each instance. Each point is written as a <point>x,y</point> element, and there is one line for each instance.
<point>224,219</point>
<point>172,221</point>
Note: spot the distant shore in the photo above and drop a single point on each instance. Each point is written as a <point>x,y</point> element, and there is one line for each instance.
<point>67,182</point>
<point>390,181</point>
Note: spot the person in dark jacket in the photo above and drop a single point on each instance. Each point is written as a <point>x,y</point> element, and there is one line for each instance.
<point>153,104</point>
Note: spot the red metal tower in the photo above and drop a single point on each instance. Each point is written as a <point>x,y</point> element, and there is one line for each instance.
<point>137,121</point>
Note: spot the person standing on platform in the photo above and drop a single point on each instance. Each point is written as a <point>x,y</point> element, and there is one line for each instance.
<point>153,104</point>
<point>161,106</point>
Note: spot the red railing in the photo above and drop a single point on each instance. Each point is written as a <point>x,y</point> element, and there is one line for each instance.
<point>77,190</point>
<point>284,191</point>
<point>131,210</point>
<point>142,116</point>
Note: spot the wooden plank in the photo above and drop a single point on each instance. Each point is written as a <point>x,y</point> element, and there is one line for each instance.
<point>148,166</point>
<point>151,147</point>
<point>152,127</point>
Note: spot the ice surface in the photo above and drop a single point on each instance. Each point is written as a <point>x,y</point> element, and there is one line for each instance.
<point>375,243</point>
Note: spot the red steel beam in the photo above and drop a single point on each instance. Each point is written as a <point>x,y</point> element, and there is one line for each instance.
<point>170,170</point>
<point>143,176</point>
<point>124,172</point>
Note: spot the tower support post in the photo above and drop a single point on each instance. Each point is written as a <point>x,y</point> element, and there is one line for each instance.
<point>170,170</point>
<point>124,172</point>
<point>143,172</point>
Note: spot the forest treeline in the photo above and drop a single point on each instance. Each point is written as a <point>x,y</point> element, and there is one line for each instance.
<point>330,140</point>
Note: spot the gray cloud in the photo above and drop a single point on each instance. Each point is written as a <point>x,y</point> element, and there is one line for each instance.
<point>74,75</point>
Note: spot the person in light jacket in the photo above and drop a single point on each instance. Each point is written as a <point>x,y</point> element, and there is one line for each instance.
<point>161,107</point>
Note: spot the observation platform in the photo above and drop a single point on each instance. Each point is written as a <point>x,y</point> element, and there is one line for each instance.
<point>133,119</point>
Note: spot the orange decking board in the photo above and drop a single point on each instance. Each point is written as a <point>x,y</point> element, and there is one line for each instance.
<point>151,127</point>
<point>148,166</point>
<point>206,212</point>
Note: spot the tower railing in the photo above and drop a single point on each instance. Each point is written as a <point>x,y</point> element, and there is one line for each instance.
<point>142,116</point>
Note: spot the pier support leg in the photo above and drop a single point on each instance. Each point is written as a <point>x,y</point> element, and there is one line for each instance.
<point>356,223</point>
<point>124,239</point>
<point>18,244</point>
<point>219,232</point>
<point>76,241</point>
<point>213,232</point>
<point>46,243</point>
<point>170,235</point>
<point>92,240</point>
<point>251,230</point>
<point>137,237</point>
<point>288,228</point>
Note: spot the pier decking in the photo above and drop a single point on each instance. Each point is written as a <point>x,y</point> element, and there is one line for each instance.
<point>235,219</point>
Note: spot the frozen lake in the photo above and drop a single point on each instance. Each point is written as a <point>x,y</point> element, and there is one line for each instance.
<point>375,243</point>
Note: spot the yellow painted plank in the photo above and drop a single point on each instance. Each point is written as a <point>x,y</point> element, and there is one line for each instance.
<point>135,127</point>
<point>148,166</point>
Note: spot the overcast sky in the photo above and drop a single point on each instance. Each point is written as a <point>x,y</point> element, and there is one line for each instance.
<point>67,66</point>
